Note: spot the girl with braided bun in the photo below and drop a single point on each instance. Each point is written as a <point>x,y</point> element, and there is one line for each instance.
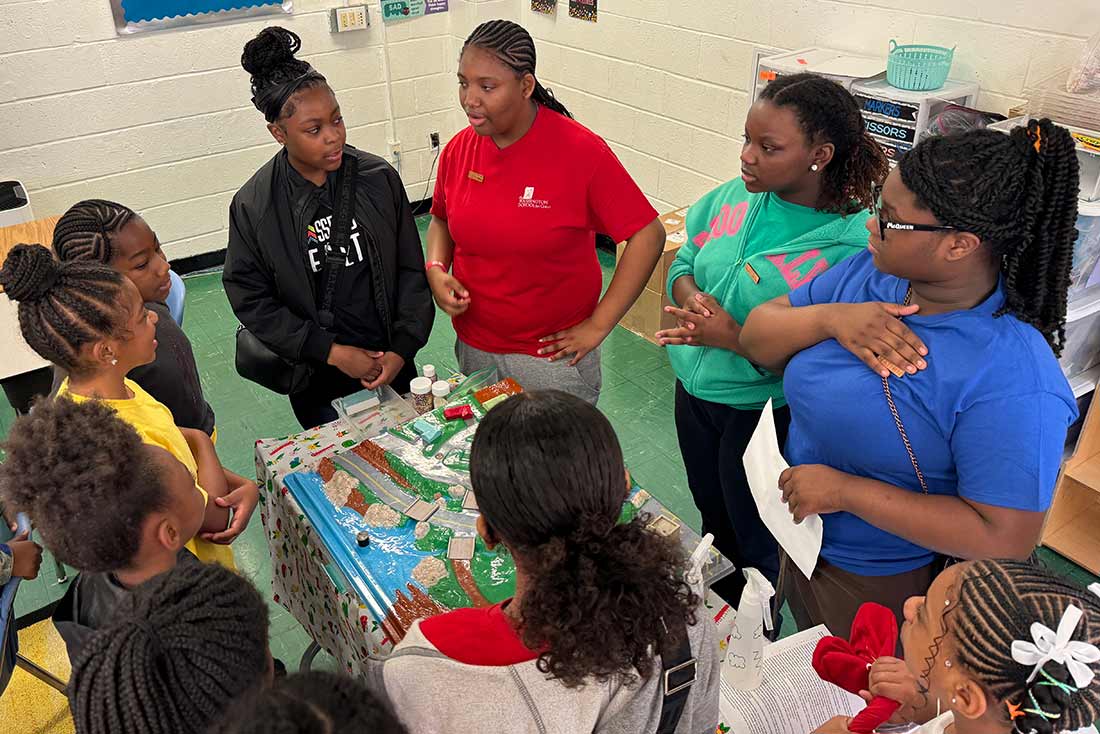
<point>951,443</point>
<point>108,233</point>
<point>183,647</point>
<point>995,647</point>
<point>807,169</point>
<point>520,196</point>
<point>91,321</point>
<point>575,649</point>
<point>280,244</point>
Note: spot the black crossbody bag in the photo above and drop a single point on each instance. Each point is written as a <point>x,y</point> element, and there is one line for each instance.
<point>678,675</point>
<point>255,361</point>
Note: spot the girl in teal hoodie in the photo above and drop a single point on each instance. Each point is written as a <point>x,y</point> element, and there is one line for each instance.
<point>798,208</point>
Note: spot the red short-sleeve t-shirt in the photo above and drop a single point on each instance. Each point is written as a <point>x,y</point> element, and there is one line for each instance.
<point>524,219</point>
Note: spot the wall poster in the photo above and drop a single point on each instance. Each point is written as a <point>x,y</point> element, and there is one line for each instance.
<point>583,9</point>
<point>404,9</point>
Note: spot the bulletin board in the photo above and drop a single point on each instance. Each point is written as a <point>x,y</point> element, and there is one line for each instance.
<point>136,16</point>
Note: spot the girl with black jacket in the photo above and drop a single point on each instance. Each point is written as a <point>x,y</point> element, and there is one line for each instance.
<point>280,222</point>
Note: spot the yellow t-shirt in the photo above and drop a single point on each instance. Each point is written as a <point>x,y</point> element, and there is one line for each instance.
<point>156,426</point>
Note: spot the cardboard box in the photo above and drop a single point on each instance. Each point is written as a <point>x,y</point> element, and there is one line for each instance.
<point>647,315</point>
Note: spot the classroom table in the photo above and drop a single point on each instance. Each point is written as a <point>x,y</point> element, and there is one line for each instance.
<point>305,580</point>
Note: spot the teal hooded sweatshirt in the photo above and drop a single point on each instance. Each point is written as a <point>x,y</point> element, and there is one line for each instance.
<point>745,249</point>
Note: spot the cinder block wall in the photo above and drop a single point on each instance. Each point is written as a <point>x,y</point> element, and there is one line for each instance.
<point>162,121</point>
<point>667,83</point>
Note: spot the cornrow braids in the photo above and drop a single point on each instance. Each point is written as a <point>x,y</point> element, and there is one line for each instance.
<point>84,231</point>
<point>86,480</point>
<point>63,306</point>
<point>513,45</point>
<point>318,702</point>
<point>829,114</point>
<point>1018,193</point>
<point>182,647</point>
<point>998,602</point>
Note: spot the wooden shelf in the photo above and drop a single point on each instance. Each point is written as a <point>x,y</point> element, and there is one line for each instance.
<point>1073,526</point>
<point>1086,471</point>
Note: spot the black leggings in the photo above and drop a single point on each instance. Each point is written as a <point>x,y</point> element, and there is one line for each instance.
<point>713,438</point>
<point>313,406</point>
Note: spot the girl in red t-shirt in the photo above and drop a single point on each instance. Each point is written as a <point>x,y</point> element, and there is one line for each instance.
<point>519,198</point>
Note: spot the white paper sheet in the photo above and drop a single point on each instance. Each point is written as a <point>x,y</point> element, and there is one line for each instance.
<point>791,699</point>
<point>763,465</point>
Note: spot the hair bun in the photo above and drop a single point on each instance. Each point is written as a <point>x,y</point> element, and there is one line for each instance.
<point>29,273</point>
<point>1045,701</point>
<point>273,47</point>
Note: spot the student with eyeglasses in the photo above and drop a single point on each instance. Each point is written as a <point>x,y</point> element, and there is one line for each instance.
<point>950,444</point>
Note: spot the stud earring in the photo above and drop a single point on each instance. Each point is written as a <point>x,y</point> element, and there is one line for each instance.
<point>947,663</point>
<point>114,362</point>
<point>954,700</point>
<point>814,168</point>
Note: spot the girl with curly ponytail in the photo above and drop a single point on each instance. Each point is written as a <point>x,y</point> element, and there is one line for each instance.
<point>997,647</point>
<point>951,444</point>
<point>575,648</point>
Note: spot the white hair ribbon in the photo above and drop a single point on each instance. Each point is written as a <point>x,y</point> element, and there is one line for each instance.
<point>1059,647</point>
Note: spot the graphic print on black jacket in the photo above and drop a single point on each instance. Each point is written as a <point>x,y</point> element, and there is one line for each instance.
<point>273,289</point>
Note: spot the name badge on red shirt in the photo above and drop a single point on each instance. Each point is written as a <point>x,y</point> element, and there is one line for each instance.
<point>475,176</point>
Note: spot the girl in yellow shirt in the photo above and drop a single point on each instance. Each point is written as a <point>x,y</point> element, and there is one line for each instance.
<point>91,321</point>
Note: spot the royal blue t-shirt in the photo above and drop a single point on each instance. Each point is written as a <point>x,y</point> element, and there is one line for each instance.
<point>987,418</point>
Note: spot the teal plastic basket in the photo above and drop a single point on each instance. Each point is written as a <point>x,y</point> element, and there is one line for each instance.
<point>918,68</point>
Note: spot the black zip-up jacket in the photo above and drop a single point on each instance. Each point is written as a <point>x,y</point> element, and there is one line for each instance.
<point>268,280</point>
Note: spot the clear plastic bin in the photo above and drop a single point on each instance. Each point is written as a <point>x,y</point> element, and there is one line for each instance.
<point>1082,346</point>
<point>1085,276</point>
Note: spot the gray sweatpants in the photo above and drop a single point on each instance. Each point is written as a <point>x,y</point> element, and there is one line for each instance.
<point>534,373</point>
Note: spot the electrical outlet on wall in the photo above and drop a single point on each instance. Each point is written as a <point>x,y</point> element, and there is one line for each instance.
<point>433,140</point>
<point>351,18</point>
<point>395,154</point>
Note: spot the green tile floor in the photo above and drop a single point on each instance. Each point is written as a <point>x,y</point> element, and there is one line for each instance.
<point>637,397</point>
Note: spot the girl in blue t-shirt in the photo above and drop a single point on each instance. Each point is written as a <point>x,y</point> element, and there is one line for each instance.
<point>951,443</point>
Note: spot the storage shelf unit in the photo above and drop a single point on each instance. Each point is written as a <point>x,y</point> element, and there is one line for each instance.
<point>898,119</point>
<point>1073,523</point>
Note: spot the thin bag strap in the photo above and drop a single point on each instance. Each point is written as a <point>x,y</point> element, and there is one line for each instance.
<point>897,416</point>
<point>336,252</point>
<point>904,435</point>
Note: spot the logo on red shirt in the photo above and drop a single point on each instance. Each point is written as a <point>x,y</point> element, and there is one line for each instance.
<point>528,200</point>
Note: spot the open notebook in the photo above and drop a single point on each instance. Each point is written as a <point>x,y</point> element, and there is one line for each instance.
<point>791,699</point>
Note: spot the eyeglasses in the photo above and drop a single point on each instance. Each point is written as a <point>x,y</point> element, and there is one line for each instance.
<point>885,225</point>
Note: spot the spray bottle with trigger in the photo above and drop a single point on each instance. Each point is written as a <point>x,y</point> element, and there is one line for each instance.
<point>745,653</point>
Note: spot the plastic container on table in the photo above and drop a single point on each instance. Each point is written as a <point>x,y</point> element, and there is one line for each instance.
<point>918,67</point>
<point>440,390</point>
<point>391,409</point>
<point>421,389</point>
